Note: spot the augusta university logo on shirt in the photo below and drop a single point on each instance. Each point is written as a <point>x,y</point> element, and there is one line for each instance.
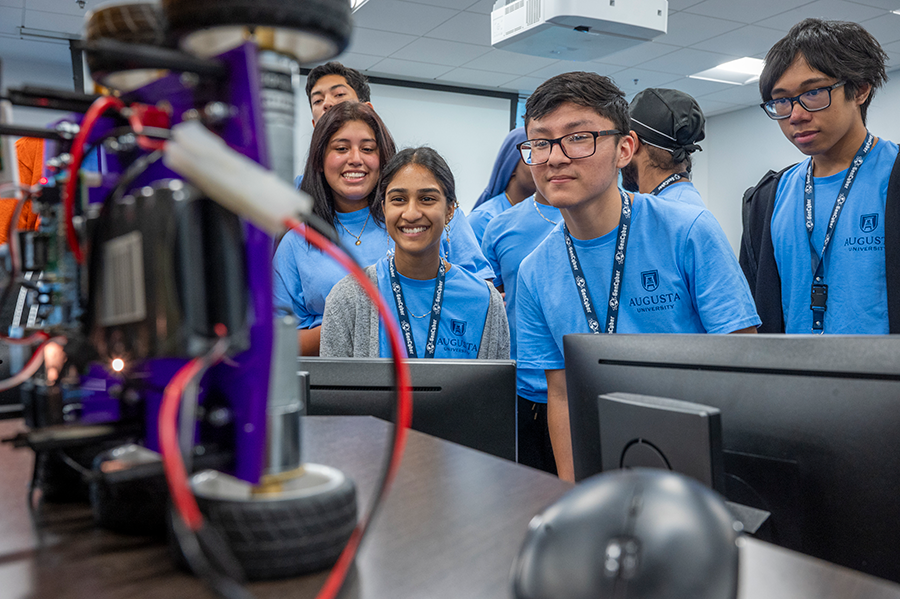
<point>868,223</point>
<point>458,345</point>
<point>655,302</point>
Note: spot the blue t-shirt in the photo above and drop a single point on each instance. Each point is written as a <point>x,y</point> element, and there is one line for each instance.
<point>304,276</point>
<point>681,276</point>
<point>482,215</point>
<point>683,191</point>
<point>854,266</point>
<point>463,312</point>
<point>508,240</point>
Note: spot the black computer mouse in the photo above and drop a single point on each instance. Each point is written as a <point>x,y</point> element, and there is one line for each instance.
<point>631,534</point>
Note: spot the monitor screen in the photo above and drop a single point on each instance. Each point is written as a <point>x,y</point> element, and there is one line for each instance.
<point>809,427</point>
<point>470,402</point>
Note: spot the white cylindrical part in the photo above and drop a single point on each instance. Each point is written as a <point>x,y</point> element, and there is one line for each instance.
<point>232,179</point>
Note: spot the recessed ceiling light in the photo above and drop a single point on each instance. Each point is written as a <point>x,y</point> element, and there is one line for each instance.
<point>736,72</point>
<point>356,4</point>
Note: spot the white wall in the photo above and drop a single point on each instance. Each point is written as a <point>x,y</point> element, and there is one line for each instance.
<point>466,130</point>
<point>19,71</point>
<point>741,146</point>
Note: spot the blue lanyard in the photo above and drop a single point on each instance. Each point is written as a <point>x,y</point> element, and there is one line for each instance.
<point>403,313</point>
<point>819,290</point>
<point>674,178</point>
<point>618,273</point>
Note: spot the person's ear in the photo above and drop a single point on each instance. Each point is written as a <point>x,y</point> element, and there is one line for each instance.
<point>862,94</point>
<point>451,210</point>
<point>626,149</point>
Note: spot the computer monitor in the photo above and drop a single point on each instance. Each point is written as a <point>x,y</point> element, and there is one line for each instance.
<point>644,431</point>
<point>810,427</point>
<point>470,402</point>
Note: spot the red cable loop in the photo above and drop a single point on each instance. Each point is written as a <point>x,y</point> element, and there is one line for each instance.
<point>97,109</point>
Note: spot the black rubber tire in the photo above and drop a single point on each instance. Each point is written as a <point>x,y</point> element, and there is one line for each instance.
<point>136,507</point>
<point>140,23</point>
<point>282,538</point>
<point>329,17</point>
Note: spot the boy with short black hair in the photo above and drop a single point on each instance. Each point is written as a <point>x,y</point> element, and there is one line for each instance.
<point>332,83</point>
<point>816,249</point>
<point>618,263</point>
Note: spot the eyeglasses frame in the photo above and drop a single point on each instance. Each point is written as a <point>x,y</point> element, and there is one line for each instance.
<point>796,100</point>
<point>558,141</point>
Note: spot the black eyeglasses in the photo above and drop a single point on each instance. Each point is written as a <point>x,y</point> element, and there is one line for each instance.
<point>574,145</point>
<point>813,101</point>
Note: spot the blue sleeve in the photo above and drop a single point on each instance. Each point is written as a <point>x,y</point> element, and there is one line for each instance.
<point>464,249</point>
<point>719,290</point>
<point>478,220</point>
<point>288,286</point>
<point>535,346</point>
<point>489,249</point>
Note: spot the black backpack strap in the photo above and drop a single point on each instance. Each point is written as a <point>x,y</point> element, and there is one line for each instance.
<point>892,247</point>
<point>757,254</point>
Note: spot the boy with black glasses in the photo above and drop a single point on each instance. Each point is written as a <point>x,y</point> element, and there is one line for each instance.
<point>818,236</point>
<point>619,262</point>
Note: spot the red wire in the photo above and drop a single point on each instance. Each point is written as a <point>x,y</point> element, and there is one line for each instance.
<point>404,401</point>
<point>97,109</point>
<point>173,464</point>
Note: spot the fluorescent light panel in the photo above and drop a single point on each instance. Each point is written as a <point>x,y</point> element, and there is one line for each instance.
<point>736,72</point>
<point>356,4</point>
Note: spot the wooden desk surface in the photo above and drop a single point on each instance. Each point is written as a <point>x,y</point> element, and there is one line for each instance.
<point>450,528</point>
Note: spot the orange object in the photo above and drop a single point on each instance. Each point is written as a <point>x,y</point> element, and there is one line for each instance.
<point>30,152</point>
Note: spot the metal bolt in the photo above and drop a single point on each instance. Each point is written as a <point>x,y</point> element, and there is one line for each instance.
<point>219,417</point>
<point>189,80</point>
<point>216,112</point>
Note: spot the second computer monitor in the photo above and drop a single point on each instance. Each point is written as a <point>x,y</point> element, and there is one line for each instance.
<point>470,402</point>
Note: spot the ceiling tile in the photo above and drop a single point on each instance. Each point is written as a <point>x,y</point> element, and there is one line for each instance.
<point>49,21</point>
<point>482,6</point>
<point>467,27</point>
<point>740,10</point>
<point>378,43</point>
<point>607,70</point>
<point>442,52</point>
<point>525,85</point>
<point>564,66</point>
<point>409,69</point>
<point>632,81</point>
<point>10,20</point>
<point>823,9</point>
<point>747,41</point>
<point>885,28</point>
<point>687,61</point>
<point>501,61</point>
<point>637,54</point>
<point>698,87</point>
<point>748,95</point>
<point>686,30</point>
<point>676,5</point>
<point>401,17</point>
<point>12,3</point>
<point>885,4</point>
<point>456,4</point>
<point>479,78</point>
<point>360,62</point>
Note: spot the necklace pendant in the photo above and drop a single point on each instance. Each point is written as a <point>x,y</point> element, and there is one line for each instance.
<point>358,242</point>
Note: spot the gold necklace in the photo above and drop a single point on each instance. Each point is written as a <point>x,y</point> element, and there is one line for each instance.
<point>350,233</point>
<point>552,222</point>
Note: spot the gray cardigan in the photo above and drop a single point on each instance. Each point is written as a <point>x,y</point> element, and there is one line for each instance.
<point>350,323</point>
